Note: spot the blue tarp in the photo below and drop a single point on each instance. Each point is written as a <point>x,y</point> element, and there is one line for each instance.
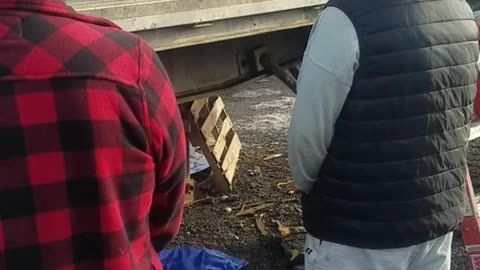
<point>199,259</point>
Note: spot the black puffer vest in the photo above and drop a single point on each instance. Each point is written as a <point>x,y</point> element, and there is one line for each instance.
<point>395,172</point>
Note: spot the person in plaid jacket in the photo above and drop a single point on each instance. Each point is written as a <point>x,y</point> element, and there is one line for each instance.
<point>92,148</point>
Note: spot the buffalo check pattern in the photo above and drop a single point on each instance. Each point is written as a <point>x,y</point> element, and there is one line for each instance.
<point>92,148</point>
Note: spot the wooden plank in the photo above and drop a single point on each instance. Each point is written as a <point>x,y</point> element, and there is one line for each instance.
<point>218,179</point>
<point>197,107</point>
<point>230,174</point>
<point>233,154</point>
<point>189,183</point>
<point>233,150</point>
<point>222,139</point>
<point>212,118</point>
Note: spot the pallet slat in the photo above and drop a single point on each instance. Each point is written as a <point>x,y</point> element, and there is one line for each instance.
<point>212,118</point>
<point>197,107</point>
<point>233,157</point>
<point>233,149</point>
<point>221,143</point>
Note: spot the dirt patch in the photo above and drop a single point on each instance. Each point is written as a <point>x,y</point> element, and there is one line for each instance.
<point>261,119</point>
<point>215,224</point>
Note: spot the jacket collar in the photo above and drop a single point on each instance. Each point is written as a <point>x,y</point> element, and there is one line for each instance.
<point>52,7</point>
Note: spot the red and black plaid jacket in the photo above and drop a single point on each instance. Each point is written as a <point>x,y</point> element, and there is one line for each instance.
<point>92,149</point>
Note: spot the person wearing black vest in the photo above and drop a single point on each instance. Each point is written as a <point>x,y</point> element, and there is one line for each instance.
<point>379,132</point>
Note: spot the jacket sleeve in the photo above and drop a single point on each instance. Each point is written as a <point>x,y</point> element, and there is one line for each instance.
<point>325,79</point>
<point>168,148</point>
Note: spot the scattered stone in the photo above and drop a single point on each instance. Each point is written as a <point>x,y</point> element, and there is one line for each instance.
<point>255,171</point>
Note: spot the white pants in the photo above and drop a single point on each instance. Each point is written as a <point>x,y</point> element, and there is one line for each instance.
<point>432,255</point>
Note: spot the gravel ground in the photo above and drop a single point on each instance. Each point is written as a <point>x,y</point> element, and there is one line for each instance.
<point>261,112</point>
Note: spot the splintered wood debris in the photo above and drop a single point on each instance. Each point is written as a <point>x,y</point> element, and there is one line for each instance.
<point>261,226</point>
<point>273,157</point>
<point>287,231</point>
<point>253,210</point>
<point>280,185</point>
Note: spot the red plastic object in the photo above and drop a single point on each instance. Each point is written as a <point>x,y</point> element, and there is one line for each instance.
<point>471,229</point>
<point>476,106</point>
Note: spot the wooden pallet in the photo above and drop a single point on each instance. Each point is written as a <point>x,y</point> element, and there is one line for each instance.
<point>212,130</point>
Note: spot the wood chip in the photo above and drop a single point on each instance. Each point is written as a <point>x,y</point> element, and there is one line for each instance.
<point>253,210</point>
<point>290,200</point>
<point>242,206</point>
<point>273,157</point>
<point>198,201</point>
<point>284,230</point>
<point>279,185</point>
<point>297,229</point>
<point>261,226</point>
<point>287,231</point>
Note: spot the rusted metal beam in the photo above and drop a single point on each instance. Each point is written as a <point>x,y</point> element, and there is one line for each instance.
<point>283,74</point>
